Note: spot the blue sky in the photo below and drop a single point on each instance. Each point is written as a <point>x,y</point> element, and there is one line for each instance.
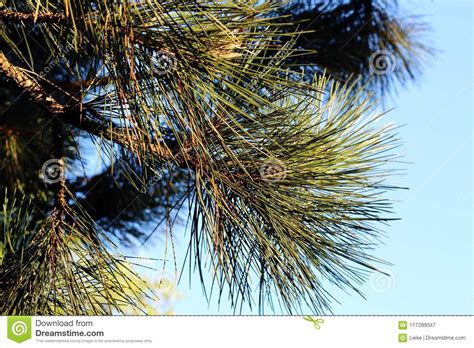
<point>431,247</point>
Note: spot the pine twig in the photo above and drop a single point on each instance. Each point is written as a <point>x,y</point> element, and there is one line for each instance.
<point>14,16</point>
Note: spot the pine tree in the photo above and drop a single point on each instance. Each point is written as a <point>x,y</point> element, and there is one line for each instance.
<point>220,114</point>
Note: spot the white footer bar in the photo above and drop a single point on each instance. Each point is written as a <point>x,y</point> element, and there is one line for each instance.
<point>243,331</point>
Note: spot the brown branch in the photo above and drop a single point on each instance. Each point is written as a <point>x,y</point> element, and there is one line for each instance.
<point>31,87</point>
<point>60,186</point>
<point>21,17</point>
<point>73,115</point>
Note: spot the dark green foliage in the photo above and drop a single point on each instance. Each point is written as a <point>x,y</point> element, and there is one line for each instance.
<point>347,36</point>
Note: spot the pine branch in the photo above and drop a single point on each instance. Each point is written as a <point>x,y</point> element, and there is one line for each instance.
<point>72,115</point>
<point>61,265</point>
<point>370,40</point>
<point>304,214</point>
<point>285,178</point>
<point>31,87</point>
<point>31,18</point>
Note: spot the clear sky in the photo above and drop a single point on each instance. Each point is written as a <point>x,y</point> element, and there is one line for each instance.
<point>431,247</point>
